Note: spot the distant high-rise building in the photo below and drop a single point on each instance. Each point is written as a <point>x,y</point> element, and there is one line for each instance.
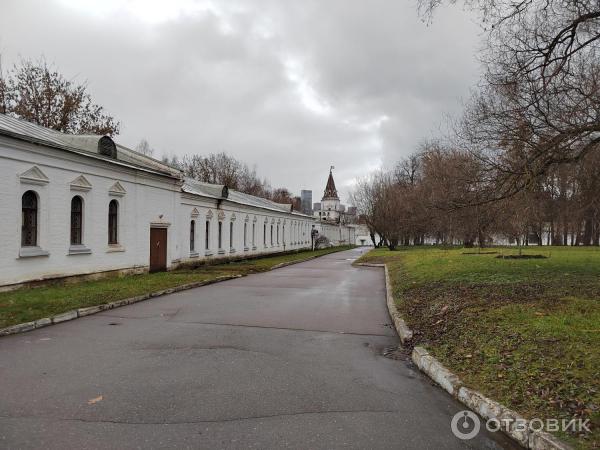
<point>306,201</point>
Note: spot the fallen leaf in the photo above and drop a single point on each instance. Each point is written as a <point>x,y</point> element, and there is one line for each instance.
<point>94,400</point>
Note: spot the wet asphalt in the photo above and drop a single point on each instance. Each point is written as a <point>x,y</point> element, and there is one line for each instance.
<point>292,358</point>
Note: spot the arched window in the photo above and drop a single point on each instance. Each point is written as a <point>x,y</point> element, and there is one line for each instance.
<point>207,235</point>
<point>245,234</point>
<point>265,234</point>
<point>113,222</point>
<point>29,208</point>
<point>76,220</point>
<point>271,235</point>
<point>253,233</point>
<point>231,235</point>
<point>220,235</point>
<point>192,235</point>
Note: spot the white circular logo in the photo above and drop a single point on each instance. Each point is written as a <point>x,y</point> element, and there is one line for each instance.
<point>465,425</point>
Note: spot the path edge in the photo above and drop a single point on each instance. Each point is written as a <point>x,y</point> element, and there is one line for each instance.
<point>485,407</point>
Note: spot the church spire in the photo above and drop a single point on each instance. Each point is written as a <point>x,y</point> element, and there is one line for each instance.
<point>330,190</point>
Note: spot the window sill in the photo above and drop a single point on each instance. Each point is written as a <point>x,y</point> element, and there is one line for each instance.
<point>194,254</point>
<point>254,247</point>
<point>221,251</point>
<point>246,249</point>
<point>30,252</point>
<point>232,250</point>
<point>79,250</point>
<point>112,248</point>
<point>208,253</point>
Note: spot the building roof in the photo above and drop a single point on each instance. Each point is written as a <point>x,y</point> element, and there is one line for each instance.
<point>221,192</point>
<point>83,144</point>
<point>330,190</point>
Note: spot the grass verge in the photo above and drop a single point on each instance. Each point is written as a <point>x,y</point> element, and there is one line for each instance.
<point>525,332</point>
<point>25,305</point>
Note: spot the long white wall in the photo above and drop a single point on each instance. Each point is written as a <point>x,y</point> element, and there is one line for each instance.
<point>144,200</point>
<point>337,234</point>
<point>265,231</point>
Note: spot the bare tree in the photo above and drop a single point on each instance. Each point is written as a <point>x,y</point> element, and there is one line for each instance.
<point>538,103</point>
<point>144,148</point>
<point>37,92</point>
<point>221,168</point>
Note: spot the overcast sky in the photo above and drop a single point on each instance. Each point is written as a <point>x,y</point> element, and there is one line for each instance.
<point>291,87</point>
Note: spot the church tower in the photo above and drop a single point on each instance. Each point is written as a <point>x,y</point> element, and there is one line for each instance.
<point>330,203</point>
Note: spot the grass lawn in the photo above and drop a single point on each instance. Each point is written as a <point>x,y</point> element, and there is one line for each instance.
<point>525,332</point>
<point>25,305</point>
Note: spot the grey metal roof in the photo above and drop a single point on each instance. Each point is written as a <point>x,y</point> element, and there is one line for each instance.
<point>215,191</point>
<point>192,186</point>
<point>86,144</point>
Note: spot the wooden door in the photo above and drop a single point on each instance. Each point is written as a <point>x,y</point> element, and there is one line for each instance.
<point>158,249</point>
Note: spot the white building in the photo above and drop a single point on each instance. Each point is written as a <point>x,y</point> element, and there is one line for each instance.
<point>75,205</point>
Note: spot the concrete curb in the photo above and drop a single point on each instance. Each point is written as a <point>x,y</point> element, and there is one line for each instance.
<point>404,332</point>
<point>474,400</point>
<point>82,312</point>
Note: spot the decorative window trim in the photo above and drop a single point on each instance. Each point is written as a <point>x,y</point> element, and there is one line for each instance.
<point>80,183</point>
<point>209,214</point>
<point>195,213</point>
<point>221,215</point>
<point>34,176</point>
<point>117,190</point>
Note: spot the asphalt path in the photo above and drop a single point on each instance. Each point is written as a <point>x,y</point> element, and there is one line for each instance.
<point>300,357</point>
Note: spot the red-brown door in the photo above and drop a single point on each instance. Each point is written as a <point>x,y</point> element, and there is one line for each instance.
<point>158,249</point>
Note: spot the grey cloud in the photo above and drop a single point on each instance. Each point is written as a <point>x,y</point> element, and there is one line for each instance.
<point>376,79</point>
